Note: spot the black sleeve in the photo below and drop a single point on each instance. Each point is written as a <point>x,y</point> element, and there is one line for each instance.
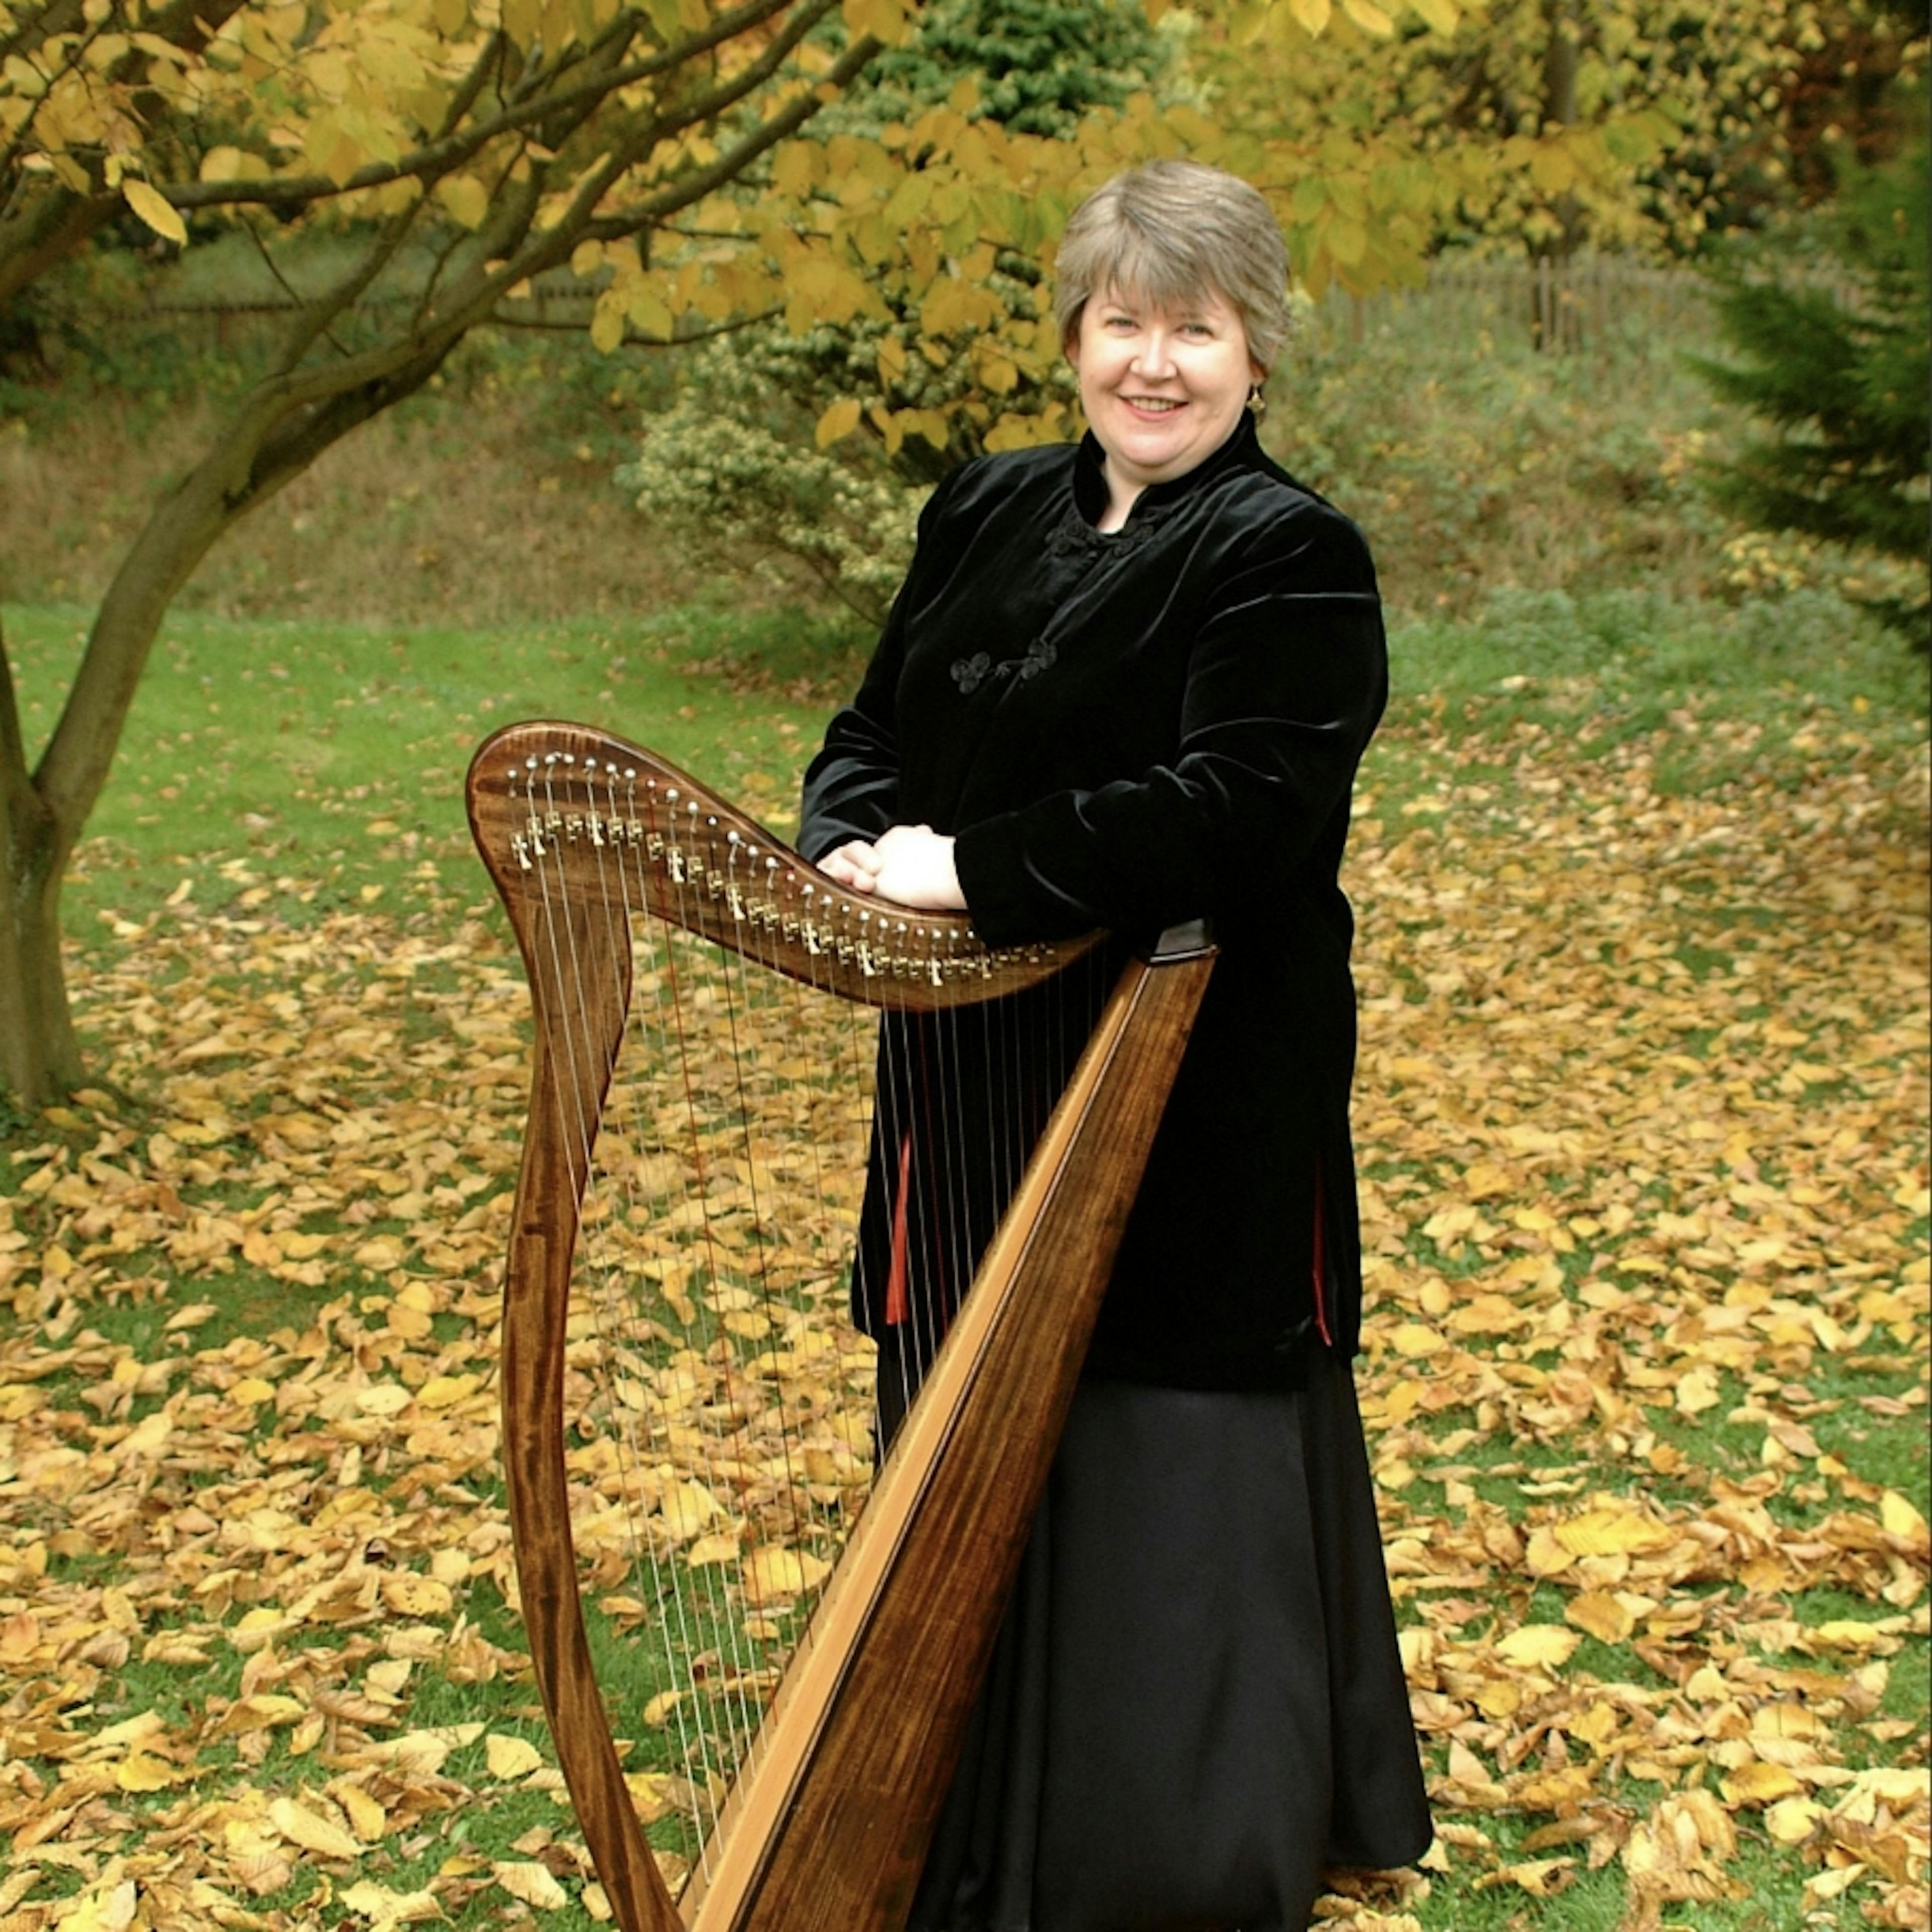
<point>1286,680</point>
<point>852,787</point>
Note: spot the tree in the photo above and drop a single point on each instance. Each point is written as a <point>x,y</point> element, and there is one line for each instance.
<point>672,153</point>
<point>458,150</point>
<point>1843,384</point>
<point>734,467</point>
<point>1555,125</point>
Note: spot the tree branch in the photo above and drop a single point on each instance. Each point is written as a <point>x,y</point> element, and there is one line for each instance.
<point>14,780</point>
<point>438,157</point>
<point>631,339</point>
<point>320,313</point>
<point>693,187</point>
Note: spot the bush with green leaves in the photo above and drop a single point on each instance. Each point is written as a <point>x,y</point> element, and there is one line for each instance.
<point>1840,373</point>
<point>751,496</point>
<point>736,471</point>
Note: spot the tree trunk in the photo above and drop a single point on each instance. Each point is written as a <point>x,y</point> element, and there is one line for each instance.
<point>277,430</point>
<point>40,1059</point>
<point>1562,57</point>
<point>42,816</point>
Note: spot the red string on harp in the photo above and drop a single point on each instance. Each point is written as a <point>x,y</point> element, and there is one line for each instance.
<point>898,1302</point>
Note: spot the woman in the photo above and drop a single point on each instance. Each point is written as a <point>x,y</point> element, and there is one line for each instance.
<point>1125,685</point>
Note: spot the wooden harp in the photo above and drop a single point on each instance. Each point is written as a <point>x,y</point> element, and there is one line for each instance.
<point>627,883</point>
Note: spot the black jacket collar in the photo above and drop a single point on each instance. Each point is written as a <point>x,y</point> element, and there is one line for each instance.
<point>1241,450</point>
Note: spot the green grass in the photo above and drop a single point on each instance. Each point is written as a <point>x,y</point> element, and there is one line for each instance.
<point>318,766</point>
<point>282,768</point>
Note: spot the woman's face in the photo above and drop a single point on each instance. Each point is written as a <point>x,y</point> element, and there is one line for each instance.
<point>1163,389</point>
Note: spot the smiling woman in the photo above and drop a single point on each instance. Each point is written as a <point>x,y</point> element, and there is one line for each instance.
<point>1162,390</point>
<point>1127,685</point>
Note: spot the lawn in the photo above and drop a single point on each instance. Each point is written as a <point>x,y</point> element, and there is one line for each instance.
<point>1642,1119</point>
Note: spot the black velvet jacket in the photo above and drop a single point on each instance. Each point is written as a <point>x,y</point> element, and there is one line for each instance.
<point>1129,730</point>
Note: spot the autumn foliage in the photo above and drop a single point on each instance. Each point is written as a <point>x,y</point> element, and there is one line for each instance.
<point>1642,1118</point>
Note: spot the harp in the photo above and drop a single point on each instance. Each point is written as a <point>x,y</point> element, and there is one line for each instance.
<point>686,971</point>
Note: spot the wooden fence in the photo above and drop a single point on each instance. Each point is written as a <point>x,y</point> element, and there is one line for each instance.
<point>1592,305</point>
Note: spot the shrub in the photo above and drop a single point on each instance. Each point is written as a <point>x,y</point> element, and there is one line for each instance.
<point>1844,385</point>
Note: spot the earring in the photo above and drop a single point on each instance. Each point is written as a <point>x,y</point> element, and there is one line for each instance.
<point>1257,399</point>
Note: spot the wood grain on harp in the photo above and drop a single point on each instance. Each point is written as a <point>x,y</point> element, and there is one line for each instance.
<point>698,991</point>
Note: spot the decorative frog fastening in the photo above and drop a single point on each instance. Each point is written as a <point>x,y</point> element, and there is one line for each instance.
<point>969,673</point>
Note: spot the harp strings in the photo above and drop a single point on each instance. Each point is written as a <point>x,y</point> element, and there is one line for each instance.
<point>723,1405</point>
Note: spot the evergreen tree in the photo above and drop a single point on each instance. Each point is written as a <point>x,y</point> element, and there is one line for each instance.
<point>1844,385</point>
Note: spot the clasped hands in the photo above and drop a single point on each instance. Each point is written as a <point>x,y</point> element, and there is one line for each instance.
<point>912,864</point>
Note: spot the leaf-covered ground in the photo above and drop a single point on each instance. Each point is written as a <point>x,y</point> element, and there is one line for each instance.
<point>1643,1121</point>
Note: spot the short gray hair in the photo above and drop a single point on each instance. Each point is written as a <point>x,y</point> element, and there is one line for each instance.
<point>1164,233</point>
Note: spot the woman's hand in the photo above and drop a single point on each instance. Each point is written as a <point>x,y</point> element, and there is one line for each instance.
<point>912,864</point>
<point>854,864</point>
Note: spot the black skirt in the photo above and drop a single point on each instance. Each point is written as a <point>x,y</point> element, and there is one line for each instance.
<point>1195,1701</point>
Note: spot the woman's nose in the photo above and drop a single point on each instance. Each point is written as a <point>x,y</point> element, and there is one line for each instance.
<point>1153,358</point>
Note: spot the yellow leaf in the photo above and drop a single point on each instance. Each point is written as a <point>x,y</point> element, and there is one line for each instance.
<point>606,323</point>
<point>159,213</point>
<point>367,1818</point>
<point>1542,1878</point>
<point>1901,1519</point>
<point>466,198</point>
<point>1312,14</point>
<point>1792,1820</point>
<point>721,1547</point>
<point>510,1757</point>
<point>1440,14</point>
<point>1758,1784</point>
<point>412,1596</point>
<point>1412,1339</point>
<point>1546,1555</point>
<point>524,1879</point>
<point>313,1833</point>
<point>1538,1647</point>
<point>110,1908</point>
<point>686,1507</point>
<point>446,1391</point>
<point>1896,1785</point>
<point>840,420</point>
<point>1370,18</point>
<point>1553,170</point>
<point>368,1900</point>
<point>140,1772</point>
<point>1601,1615</point>
<point>1698,1391</point>
<point>658,1711</point>
<point>1347,240</point>
<point>1613,1532</point>
<point>774,1573</point>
